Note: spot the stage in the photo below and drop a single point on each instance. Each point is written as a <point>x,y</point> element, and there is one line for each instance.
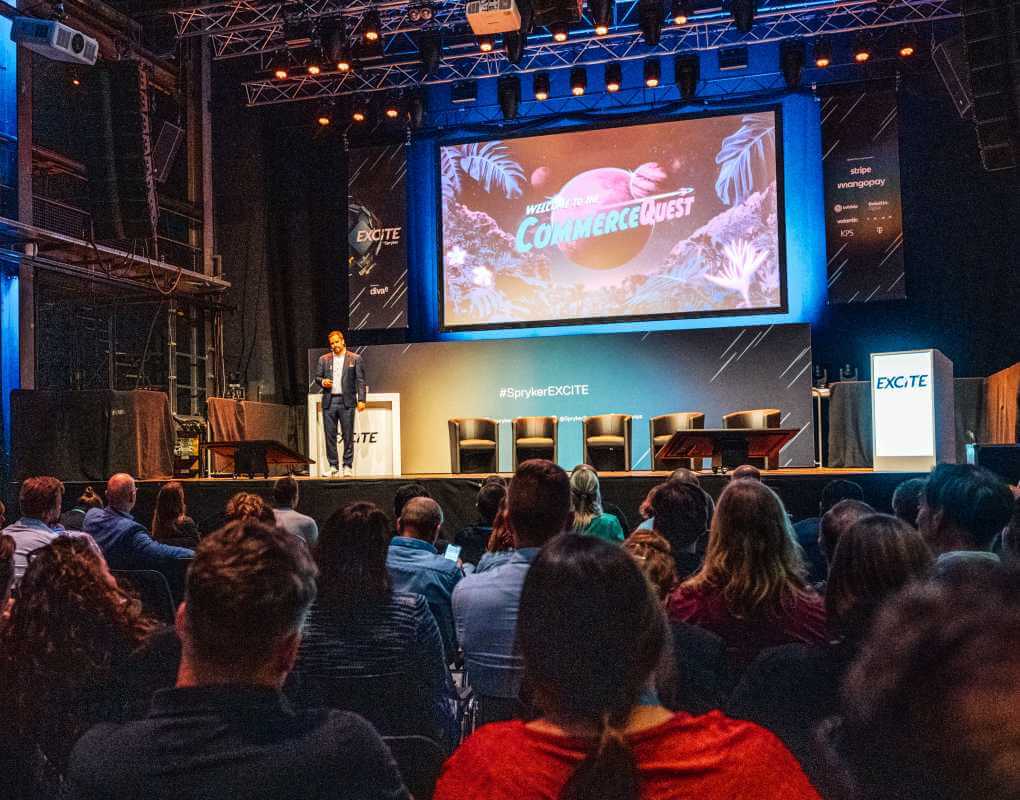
<point>206,498</point>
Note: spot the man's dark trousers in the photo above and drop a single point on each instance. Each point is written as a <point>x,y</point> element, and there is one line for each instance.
<point>336,413</point>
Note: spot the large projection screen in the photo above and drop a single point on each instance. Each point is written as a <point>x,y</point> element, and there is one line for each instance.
<point>658,220</point>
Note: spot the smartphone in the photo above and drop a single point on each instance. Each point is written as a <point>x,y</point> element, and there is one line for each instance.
<point>452,552</point>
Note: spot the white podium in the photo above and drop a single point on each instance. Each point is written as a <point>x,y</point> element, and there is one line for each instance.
<point>376,437</point>
<point>913,411</point>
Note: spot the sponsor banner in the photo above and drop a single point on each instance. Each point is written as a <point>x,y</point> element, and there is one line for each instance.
<point>863,210</point>
<point>376,237</point>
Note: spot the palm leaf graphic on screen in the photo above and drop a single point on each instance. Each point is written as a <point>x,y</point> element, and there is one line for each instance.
<point>750,146</point>
<point>487,163</point>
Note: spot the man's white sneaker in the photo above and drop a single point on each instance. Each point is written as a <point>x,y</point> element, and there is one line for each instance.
<point>348,472</point>
<point>333,472</point>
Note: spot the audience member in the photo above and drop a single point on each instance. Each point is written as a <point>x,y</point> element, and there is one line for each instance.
<point>684,475</point>
<point>834,523</point>
<point>791,689</point>
<point>247,505</point>
<point>485,603</point>
<point>906,500</point>
<point>170,521</point>
<point>125,542</point>
<point>359,628</point>
<point>745,472</point>
<point>500,546</point>
<point>602,731</point>
<point>405,492</point>
<point>807,530</point>
<point>751,590</point>
<point>62,656</point>
<point>225,730</point>
<point>7,548</point>
<point>681,512</point>
<point>416,567</point>
<point>1011,537</point>
<point>586,503</point>
<point>74,519</point>
<point>932,705</point>
<point>962,510</point>
<point>3,514</point>
<point>39,499</point>
<point>654,557</point>
<point>473,539</point>
<point>286,495</point>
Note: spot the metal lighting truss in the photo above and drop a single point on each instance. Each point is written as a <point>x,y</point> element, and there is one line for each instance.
<point>242,27</point>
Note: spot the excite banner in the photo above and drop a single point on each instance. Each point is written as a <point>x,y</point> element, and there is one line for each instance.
<point>863,210</point>
<point>376,237</point>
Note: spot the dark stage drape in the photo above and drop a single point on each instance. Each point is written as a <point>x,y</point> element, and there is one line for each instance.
<point>850,441</point>
<point>89,435</point>
<point>241,420</point>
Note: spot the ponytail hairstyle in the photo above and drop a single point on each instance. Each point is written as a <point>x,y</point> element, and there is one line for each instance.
<point>585,496</point>
<point>585,602</point>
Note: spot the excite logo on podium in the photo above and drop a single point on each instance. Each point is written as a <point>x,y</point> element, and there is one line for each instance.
<point>913,411</point>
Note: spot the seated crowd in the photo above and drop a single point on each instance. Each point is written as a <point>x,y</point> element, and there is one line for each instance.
<point>718,650</point>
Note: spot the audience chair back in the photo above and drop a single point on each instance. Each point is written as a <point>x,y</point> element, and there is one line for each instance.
<point>534,437</point>
<point>474,445</point>
<point>661,430</point>
<point>152,589</point>
<point>607,441</point>
<point>420,761</point>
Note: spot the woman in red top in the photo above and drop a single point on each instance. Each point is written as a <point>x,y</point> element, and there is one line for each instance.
<point>751,589</point>
<point>591,634</point>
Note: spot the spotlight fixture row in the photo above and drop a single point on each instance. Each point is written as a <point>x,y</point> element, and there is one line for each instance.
<point>687,76</point>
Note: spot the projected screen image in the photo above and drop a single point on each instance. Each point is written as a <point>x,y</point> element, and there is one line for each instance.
<point>664,219</point>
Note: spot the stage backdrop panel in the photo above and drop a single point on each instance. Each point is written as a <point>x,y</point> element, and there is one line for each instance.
<point>863,209</point>
<point>644,374</point>
<point>376,247</point>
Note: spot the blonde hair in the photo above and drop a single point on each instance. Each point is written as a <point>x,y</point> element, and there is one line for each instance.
<point>752,557</point>
<point>585,496</point>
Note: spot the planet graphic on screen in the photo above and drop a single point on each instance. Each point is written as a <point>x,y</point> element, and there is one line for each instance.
<point>612,186</point>
<point>540,177</point>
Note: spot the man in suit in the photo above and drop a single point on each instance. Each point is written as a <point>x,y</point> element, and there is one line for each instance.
<point>341,374</point>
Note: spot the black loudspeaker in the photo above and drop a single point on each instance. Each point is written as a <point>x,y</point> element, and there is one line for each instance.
<point>951,62</point>
<point>118,153</point>
<point>991,31</point>
<point>1002,459</point>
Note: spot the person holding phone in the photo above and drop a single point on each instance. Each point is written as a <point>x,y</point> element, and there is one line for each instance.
<point>416,567</point>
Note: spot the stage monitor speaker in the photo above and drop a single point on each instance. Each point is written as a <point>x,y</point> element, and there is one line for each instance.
<point>1002,459</point>
<point>951,62</point>
<point>118,153</point>
<point>990,32</point>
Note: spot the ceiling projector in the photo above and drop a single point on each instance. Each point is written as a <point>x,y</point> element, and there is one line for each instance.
<point>55,40</point>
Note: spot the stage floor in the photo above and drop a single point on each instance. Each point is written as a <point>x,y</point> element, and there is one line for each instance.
<point>800,490</point>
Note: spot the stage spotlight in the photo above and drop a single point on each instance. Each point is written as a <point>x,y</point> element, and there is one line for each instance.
<point>391,108</point>
<point>653,72</point>
<point>359,110</point>
<point>281,67</point>
<point>907,43</point>
<point>688,72</point>
<point>614,77</point>
<point>334,44</point>
<point>558,31</point>
<point>313,68</point>
<point>509,92</point>
<point>542,86</point>
<point>680,11</point>
<point>74,77</point>
<point>791,61</point>
<point>578,81</point>
<point>513,44</point>
<point>743,14</point>
<point>601,12</point>
<point>486,43</point>
<point>862,50</point>
<point>650,20</point>
<point>325,116</point>
<point>823,53</point>
<point>371,27</point>
<point>430,50</point>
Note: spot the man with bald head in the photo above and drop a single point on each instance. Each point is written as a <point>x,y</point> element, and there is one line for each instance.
<point>125,542</point>
<point>416,567</point>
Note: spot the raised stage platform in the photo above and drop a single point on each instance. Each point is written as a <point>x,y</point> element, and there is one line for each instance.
<point>206,498</point>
